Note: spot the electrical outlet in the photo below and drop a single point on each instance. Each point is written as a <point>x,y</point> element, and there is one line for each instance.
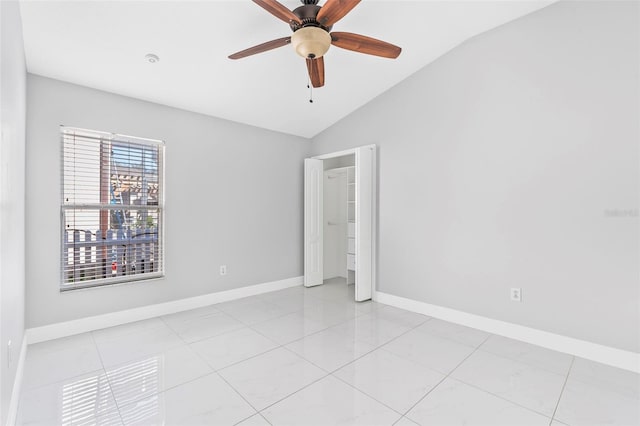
<point>9,354</point>
<point>516,295</point>
<point>223,269</point>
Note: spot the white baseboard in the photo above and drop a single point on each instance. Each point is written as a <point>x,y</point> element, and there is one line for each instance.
<point>584,349</point>
<point>83,325</point>
<point>17,385</point>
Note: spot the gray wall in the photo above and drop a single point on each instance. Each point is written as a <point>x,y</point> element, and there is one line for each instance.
<point>512,161</point>
<point>233,196</point>
<point>12,196</point>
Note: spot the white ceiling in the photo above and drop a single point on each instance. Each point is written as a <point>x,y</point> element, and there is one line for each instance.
<point>102,44</point>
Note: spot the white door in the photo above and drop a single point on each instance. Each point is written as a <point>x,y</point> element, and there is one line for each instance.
<point>313,222</point>
<point>365,199</point>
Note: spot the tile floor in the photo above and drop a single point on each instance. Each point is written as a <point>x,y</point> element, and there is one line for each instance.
<point>314,357</point>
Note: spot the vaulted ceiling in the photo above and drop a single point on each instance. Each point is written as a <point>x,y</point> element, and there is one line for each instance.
<point>102,44</point>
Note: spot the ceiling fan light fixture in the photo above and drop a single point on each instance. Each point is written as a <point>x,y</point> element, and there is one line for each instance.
<point>311,42</point>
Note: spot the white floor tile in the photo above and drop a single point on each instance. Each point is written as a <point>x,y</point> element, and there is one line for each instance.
<point>371,329</point>
<point>131,346</point>
<point>207,400</point>
<point>256,420</point>
<point>144,377</point>
<point>291,298</point>
<point>583,404</point>
<point>400,316</point>
<point>394,381</point>
<point>431,351</point>
<point>457,333</point>
<point>249,300</point>
<point>387,352</point>
<point>289,327</point>
<point>601,375</point>
<point>330,402</point>
<point>330,350</point>
<point>82,400</point>
<point>275,296</point>
<point>331,313</point>
<point>556,362</point>
<point>405,422</point>
<point>232,347</point>
<point>77,340</point>
<point>368,306</point>
<point>524,384</point>
<point>133,327</point>
<point>292,302</point>
<point>269,377</point>
<point>190,314</point>
<point>252,310</point>
<point>333,291</point>
<point>455,403</point>
<point>200,328</point>
<point>60,359</point>
<point>311,302</point>
<point>597,394</point>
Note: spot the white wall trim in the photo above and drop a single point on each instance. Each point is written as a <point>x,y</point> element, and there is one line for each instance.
<point>83,325</point>
<point>582,348</point>
<point>342,153</point>
<point>17,385</point>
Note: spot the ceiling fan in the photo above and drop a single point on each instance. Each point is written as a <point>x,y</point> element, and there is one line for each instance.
<point>312,36</point>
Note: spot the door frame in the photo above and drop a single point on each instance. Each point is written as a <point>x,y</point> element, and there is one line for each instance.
<point>374,203</point>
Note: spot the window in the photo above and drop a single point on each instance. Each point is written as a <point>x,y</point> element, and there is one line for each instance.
<point>112,208</point>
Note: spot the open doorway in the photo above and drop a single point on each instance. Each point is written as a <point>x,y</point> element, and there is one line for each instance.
<point>339,220</point>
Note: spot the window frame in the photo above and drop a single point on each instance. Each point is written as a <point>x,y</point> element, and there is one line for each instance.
<point>65,208</point>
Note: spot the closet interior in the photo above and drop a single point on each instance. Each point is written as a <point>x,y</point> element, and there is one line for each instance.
<point>339,210</point>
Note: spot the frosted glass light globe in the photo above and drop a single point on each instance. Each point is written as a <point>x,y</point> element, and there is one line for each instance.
<point>311,42</point>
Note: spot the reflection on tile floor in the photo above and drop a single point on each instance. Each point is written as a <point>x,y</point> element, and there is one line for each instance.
<point>314,356</point>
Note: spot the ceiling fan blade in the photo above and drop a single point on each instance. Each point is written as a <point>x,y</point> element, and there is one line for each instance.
<point>334,10</point>
<point>278,10</point>
<point>273,44</point>
<point>316,71</point>
<point>363,44</point>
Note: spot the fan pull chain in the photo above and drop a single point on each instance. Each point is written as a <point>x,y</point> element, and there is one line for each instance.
<point>310,87</point>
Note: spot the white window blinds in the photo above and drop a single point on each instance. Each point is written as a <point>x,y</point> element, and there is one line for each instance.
<point>112,208</point>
